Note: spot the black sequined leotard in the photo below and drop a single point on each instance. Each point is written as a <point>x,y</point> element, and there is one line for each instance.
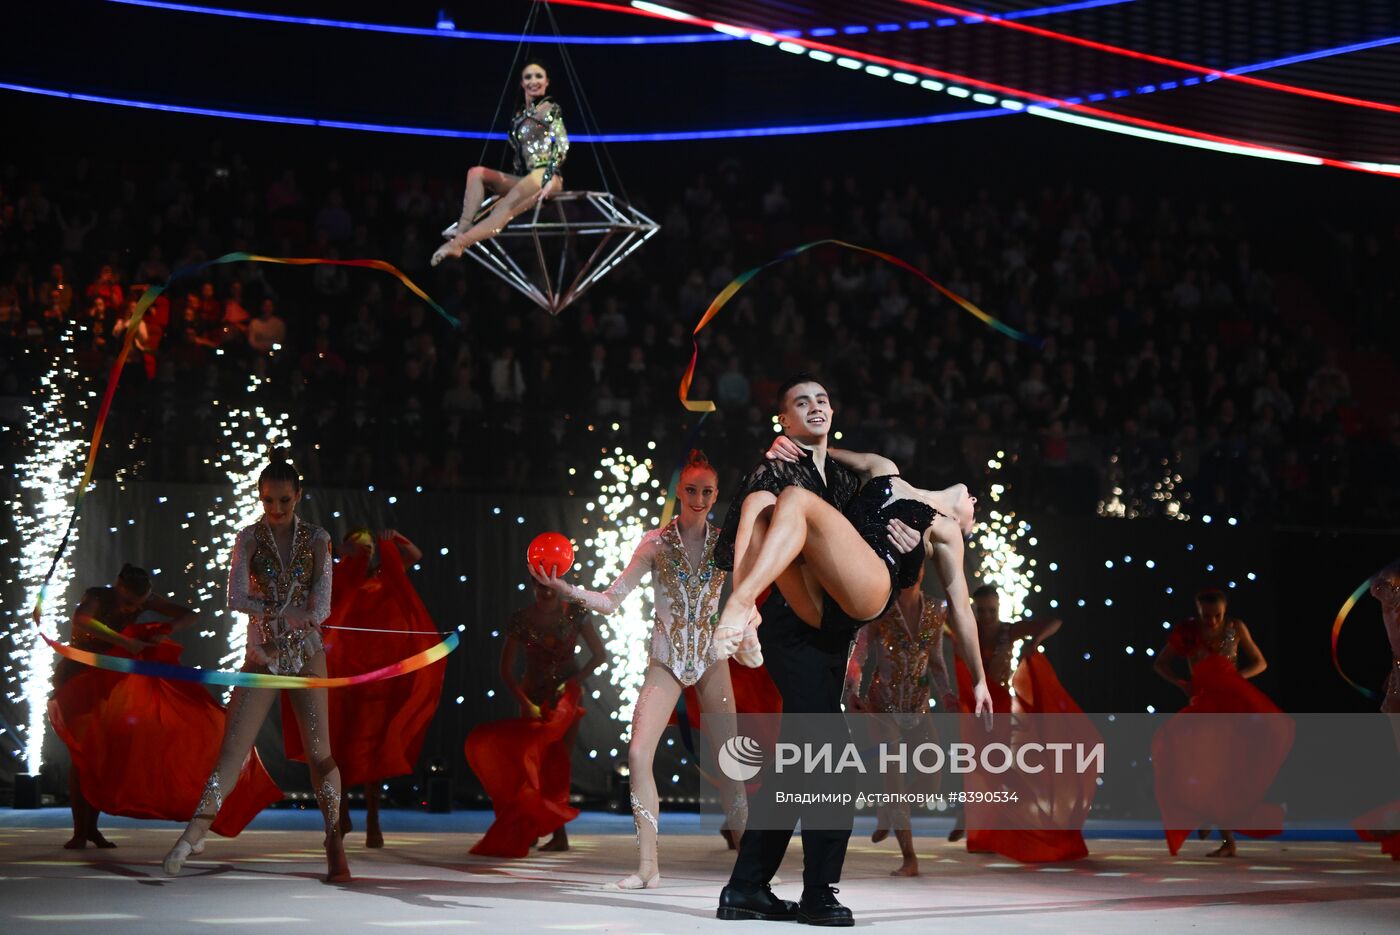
<point>870,512</point>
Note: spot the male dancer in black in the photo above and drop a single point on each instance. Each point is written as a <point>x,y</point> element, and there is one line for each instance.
<point>807,665</point>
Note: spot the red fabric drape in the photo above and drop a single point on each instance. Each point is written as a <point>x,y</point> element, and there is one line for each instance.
<point>523,764</point>
<point>376,729</point>
<point>144,747</point>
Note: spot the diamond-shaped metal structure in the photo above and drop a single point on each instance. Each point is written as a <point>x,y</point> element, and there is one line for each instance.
<point>557,251</point>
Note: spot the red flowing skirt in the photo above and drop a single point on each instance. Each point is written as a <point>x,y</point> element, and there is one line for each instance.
<point>1050,807</point>
<point>144,747</point>
<point>523,764</point>
<point>1210,772</point>
<point>376,729</point>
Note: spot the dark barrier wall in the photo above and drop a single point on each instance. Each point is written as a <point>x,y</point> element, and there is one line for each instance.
<point>1120,570</point>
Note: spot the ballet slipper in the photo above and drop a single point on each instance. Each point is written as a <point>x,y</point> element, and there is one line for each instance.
<point>451,230</point>
<point>635,882</point>
<point>99,841</point>
<point>175,860</point>
<point>454,249</point>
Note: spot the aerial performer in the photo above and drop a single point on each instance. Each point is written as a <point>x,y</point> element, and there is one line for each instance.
<point>116,724</point>
<point>376,728</point>
<point>680,559</point>
<point>525,763</point>
<point>280,576</point>
<point>1208,768</point>
<point>841,523</point>
<point>540,144</point>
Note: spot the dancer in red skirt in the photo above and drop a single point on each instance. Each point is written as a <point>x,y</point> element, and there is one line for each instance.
<point>115,725</point>
<point>524,763</point>
<point>1208,769</point>
<point>376,729</point>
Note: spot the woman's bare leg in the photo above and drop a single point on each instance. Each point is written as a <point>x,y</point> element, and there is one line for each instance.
<point>804,526</point>
<point>247,710</point>
<point>79,806</point>
<point>481,180</point>
<point>801,594</point>
<point>521,196</point>
<point>716,692</point>
<point>655,703</point>
<point>373,836</point>
<point>310,707</point>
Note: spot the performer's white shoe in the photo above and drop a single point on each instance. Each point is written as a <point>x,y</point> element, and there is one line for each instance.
<point>181,852</point>
<point>634,882</point>
<point>450,231</point>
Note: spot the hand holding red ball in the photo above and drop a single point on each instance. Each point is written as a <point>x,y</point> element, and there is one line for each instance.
<point>551,554</point>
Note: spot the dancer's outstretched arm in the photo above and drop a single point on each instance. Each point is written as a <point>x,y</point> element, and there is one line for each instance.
<point>605,602</point>
<point>945,547</point>
<point>866,464</point>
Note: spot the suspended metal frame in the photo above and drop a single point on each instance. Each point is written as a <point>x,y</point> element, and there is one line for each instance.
<point>619,227</point>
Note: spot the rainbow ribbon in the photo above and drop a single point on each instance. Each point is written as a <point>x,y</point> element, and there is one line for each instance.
<point>186,673</point>
<point>165,670</point>
<point>738,282</point>
<point>1342,614</point>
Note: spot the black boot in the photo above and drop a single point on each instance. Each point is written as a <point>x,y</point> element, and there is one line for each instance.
<point>759,904</point>
<point>819,907</point>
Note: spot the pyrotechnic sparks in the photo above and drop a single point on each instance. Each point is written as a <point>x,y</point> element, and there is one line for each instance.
<point>55,440</point>
<point>628,504</point>
<point>1001,536</point>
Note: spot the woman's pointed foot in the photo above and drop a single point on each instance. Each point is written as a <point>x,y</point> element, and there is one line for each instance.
<point>99,841</point>
<point>454,249</point>
<point>910,868</point>
<point>634,881</point>
<point>374,838</point>
<point>729,838</point>
<point>559,842</point>
<point>1225,850</point>
<point>879,835</point>
<point>175,860</point>
<point>337,867</point>
<point>76,843</point>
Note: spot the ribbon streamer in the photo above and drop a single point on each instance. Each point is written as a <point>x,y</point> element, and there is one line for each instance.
<point>185,673</point>
<point>1342,614</point>
<point>165,670</point>
<point>738,282</point>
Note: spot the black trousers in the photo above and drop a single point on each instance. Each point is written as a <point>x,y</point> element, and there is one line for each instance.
<point>808,667</point>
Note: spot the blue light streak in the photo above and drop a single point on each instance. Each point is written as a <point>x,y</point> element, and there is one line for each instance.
<point>661,137</point>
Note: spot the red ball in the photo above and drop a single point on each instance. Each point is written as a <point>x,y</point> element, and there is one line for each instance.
<point>551,551</point>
